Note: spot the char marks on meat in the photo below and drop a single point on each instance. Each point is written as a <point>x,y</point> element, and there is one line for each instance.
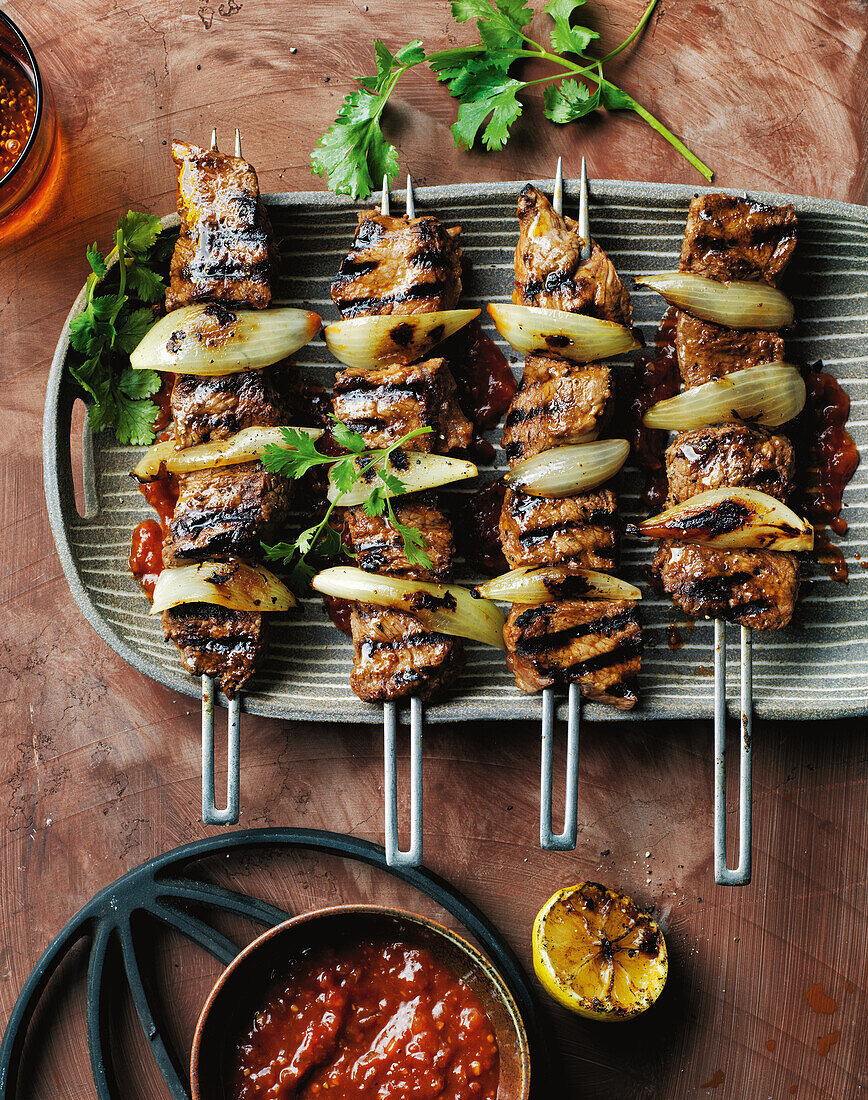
<point>394,657</point>
<point>550,272</point>
<point>217,641</point>
<point>380,548</point>
<point>707,351</point>
<point>399,265</point>
<point>733,238</point>
<point>757,588</point>
<point>583,529</point>
<point>386,403</point>
<point>218,406</point>
<point>729,456</point>
<point>595,643</point>
<point>226,250</point>
<point>224,513</point>
<point>564,408</point>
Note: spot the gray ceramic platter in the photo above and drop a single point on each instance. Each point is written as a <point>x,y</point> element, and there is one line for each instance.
<point>818,667</point>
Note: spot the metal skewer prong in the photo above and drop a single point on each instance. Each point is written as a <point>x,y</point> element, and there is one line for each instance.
<point>723,874</point>
<point>566,840</point>
<point>211,814</point>
<point>395,856</point>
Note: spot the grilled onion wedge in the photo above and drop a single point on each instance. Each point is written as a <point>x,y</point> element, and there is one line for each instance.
<point>542,583</point>
<point>771,394</point>
<point>228,584</point>
<point>562,471</point>
<point>534,330</point>
<point>445,608</point>
<point>734,304</point>
<point>369,342</point>
<point>245,446</point>
<point>211,338</point>
<point>415,470</point>
<point>731,519</point>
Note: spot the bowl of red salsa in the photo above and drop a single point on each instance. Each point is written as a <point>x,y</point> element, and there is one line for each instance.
<point>360,1001</point>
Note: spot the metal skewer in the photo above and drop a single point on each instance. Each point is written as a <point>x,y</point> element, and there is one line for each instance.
<point>211,813</point>
<point>566,840</point>
<point>723,874</point>
<point>395,855</point>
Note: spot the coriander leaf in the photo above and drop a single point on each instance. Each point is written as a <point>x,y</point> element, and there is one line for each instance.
<point>280,551</point>
<point>300,577</point>
<point>353,153</point>
<point>346,437</point>
<point>460,75</point>
<point>569,101</point>
<point>139,383</point>
<point>307,538</point>
<point>106,306</point>
<point>164,246</point>
<point>614,99</point>
<point>376,503</point>
<point>84,334</point>
<point>97,261</point>
<point>134,420</point>
<point>488,96</point>
<point>344,475</point>
<point>329,542</point>
<point>413,540</point>
<point>147,284</point>
<point>90,377</point>
<point>140,230</point>
<point>566,38</point>
<point>295,458</point>
<point>131,329</point>
<point>394,484</point>
<point>499,22</point>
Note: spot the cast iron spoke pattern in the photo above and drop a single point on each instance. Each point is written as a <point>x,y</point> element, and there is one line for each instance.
<point>166,889</point>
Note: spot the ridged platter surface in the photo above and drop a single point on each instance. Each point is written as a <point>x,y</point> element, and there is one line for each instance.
<point>818,667</point>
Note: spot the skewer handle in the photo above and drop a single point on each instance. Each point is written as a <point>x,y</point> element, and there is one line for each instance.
<point>412,856</point>
<point>723,874</point>
<point>565,841</point>
<point>211,814</point>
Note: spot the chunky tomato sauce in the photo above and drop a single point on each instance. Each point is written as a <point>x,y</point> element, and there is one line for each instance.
<point>657,378</point>
<point>374,1022</point>
<point>146,549</point>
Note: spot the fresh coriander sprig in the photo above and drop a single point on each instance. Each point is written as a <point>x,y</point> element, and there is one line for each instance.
<point>354,155</point>
<point>112,324</point>
<point>368,465</point>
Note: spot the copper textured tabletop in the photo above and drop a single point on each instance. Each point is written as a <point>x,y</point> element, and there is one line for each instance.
<point>768,995</point>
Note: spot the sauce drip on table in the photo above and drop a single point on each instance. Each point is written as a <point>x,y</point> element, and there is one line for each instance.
<point>656,378</point>
<point>385,1021</point>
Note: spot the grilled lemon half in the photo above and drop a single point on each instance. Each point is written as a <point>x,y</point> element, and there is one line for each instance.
<point>598,954</point>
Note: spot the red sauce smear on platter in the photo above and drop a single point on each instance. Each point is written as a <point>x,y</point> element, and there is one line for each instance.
<point>146,547</point>
<point>656,378</point>
<point>484,382</point>
<point>828,442</point>
<point>163,400</point>
<point>383,1021</point>
<point>477,528</point>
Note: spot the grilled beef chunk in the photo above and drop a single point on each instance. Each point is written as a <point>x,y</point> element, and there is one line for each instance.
<point>226,250</point>
<point>224,513</point>
<point>385,403</point>
<point>544,368</point>
<point>707,351</point>
<point>568,408</point>
<point>395,657</point>
<point>217,406</point>
<point>756,588</point>
<point>549,270</point>
<point>217,641</point>
<point>380,547</point>
<point>595,643</point>
<point>582,529</point>
<point>733,238</point>
<point>729,455</point>
<point>399,265</point>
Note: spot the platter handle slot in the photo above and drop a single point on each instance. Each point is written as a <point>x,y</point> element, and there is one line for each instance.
<point>565,841</point>
<point>211,814</point>
<point>723,874</point>
<point>412,856</point>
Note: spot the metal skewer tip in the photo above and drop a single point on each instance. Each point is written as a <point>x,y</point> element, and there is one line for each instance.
<point>237,142</point>
<point>411,199</point>
<point>384,201</point>
<point>214,148</point>
<point>558,193</point>
<point>584,223</point>
<point>412,856</point>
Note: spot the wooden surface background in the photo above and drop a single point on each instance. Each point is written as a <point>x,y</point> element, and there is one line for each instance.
<point>100,768</point>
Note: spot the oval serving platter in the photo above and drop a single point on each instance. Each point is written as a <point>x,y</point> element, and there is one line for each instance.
<point>817,668</point>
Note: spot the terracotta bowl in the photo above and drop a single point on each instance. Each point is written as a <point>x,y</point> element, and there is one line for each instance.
<point>241,987</point>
